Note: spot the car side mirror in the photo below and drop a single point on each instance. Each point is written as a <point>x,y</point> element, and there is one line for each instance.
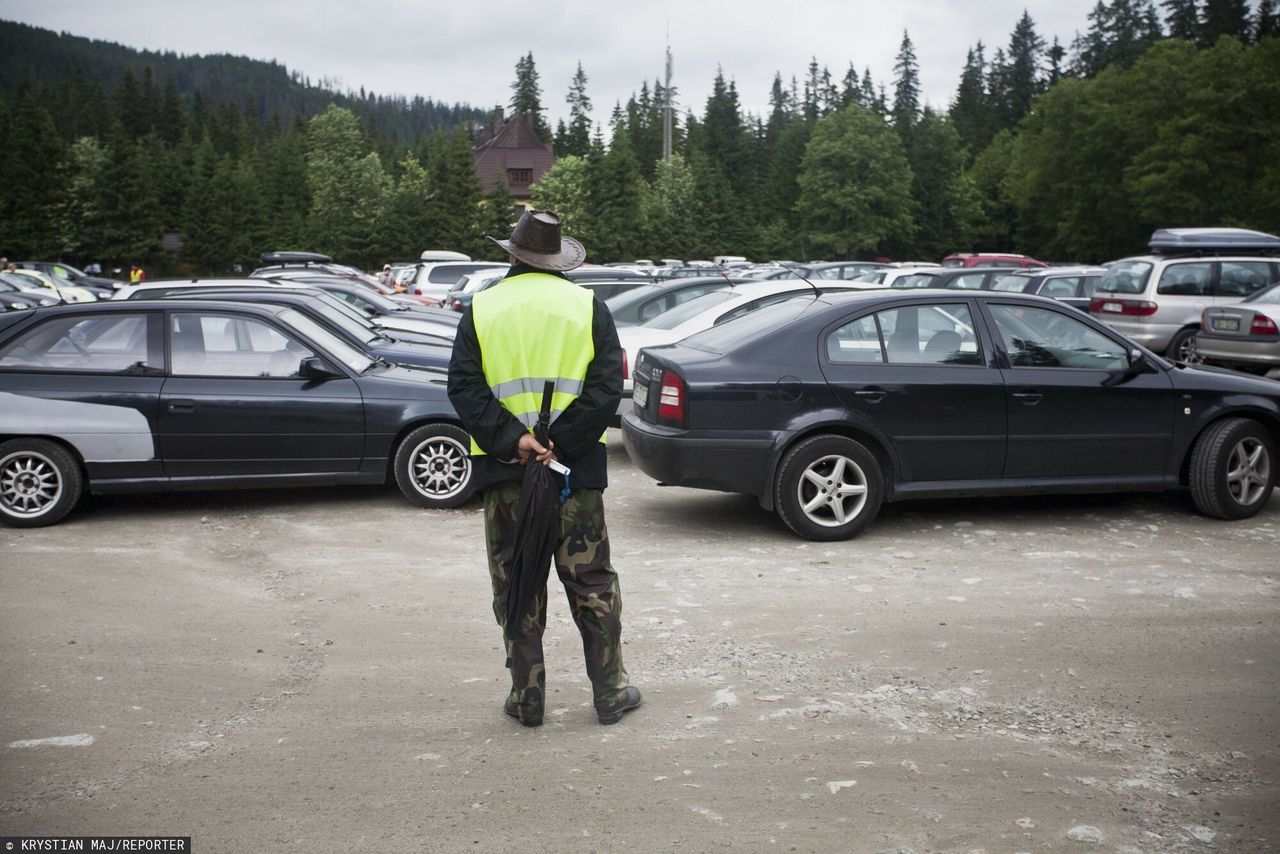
<point>315,368</point>
<point>1138,362</point>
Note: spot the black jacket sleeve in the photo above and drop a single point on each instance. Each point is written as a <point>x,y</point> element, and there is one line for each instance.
<point>495,429</point>
<point>578,429</point>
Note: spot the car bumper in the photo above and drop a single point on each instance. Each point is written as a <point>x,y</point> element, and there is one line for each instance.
<point>1153,336</point>
<point>725,461</point>
<point>1241,350</point>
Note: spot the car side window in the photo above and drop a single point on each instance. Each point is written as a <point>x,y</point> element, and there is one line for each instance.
<point>102,344</point>
<point>1010,282</point>
<point>827,273</point>
<point>1062,286</point>
<point>1186,279</point>
<point>220,345</point>
<point>929,335</point>
<point>969,281</point>
<point>1043,338</point>
<point>1244,278</point>
<point>857,342</point>
<point>690,293</point>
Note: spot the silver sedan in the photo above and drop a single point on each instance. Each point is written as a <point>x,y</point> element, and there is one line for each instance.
<point>1245,335</point>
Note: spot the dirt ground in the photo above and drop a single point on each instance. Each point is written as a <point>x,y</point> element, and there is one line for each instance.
<point>320,671</point>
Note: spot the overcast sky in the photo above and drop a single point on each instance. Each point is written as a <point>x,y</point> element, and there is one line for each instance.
<point>466,52</point>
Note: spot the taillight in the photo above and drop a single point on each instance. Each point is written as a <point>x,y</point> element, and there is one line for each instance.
<point>671,397</point>
<point>1124,307</point>
<point>1263,325</point>
<point>626,372</point>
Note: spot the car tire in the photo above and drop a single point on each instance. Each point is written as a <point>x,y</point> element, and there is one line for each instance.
<point>1182,347</point>
<point>828,488</point>
<point>433,466</point>
<point>40,482</point>
<point>1233,469</point>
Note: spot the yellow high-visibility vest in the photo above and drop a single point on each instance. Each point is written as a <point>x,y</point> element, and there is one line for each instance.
<point>533,328</point>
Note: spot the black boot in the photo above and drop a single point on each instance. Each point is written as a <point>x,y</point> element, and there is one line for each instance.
<point>613,712</point>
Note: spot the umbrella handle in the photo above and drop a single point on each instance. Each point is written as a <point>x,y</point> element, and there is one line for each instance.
<point>544,414</point>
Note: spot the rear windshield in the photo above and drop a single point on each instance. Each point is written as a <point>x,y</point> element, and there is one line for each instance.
<point>1011,282</point>
<point>678,315</point>
<point>1125,277</point>
<point>734,333</point>
<point>953,262</point>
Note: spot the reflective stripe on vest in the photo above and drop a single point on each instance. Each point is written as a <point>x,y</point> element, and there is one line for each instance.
<point>533,328</point>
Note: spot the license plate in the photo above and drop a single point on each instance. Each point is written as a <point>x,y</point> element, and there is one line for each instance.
<point>1226,324</point>
<point>640,394</point>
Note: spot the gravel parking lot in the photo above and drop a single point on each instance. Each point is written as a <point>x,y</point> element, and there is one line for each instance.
<point>320,671</point>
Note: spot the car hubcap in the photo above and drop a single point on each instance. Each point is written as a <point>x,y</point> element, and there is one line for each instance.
<point>1248,471</point>
<point>440,467</point>
<point>832,491</point>
<point>29,484</point>
<point>1188,352</point>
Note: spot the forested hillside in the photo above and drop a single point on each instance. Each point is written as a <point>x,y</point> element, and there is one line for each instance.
<point>1152,117</point>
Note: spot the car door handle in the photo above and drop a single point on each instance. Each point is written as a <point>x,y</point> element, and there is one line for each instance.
<point>182,406</point>
<point>1030,398</point>
<point>873,394</point>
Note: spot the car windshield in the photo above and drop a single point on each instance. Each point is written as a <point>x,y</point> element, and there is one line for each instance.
<point>339,349</point>
<point>343,317</point>
<point>1125,277</point>
<point>750,326</point>
<point>678,315</point>
<point>1271,296</point>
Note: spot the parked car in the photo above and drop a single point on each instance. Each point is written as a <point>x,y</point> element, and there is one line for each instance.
<point>1158,299</point>
<point>990,259</point>
<point>832,270</point>
<point>604,288</point>
<point>135,396</point>
<point>825,407</point>
<point>435,279</point>
<point>73,275</point>
<point>894,277</point>
<point>403,325</point>
<point>1073,286</point>
<point>648,301</point>
<point>704,312</point>
<point>1245,336</point>
<point>278,264</point>
<point>16,298</point>
<point>38,282</point>
<point>416,350</point>
<point>963,278</point>
<point>365,299</point>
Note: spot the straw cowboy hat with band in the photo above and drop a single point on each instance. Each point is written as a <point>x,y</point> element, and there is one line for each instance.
<point>536,240</point>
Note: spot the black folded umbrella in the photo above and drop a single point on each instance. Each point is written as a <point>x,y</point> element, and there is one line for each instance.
<point>537,528</point>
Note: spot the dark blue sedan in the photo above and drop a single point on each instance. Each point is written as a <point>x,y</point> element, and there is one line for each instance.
<point>823,407</point>
<point>148,395</point>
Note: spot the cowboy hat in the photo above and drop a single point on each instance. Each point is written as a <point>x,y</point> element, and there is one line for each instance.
<point>536,240</point>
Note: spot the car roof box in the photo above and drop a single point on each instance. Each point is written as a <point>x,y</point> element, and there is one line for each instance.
<point>295,258</point>
<point>1174,241</point>
<point>443,255</point>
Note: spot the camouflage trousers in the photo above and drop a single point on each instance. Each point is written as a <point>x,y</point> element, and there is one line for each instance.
<point>595,600</point>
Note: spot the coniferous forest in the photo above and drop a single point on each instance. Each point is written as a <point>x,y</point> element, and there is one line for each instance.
<point>1153,117</point>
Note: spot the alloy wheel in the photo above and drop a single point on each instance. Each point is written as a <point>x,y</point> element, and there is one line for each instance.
<point>29,484</point>
<point>1248,471</point>
<point>441,467</point>
<point>832,490</point>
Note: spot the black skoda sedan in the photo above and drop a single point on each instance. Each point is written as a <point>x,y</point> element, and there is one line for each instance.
<point>823,407</point>
<point>150,395</point>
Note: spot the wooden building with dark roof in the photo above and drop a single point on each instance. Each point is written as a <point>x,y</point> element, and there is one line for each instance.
<point>510,150</point>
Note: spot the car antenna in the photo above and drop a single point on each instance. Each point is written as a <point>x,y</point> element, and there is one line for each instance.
<point>816,292</point>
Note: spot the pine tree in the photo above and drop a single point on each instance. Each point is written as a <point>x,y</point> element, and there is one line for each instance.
<point>499,216</point>
<point>850,88</point>
<point>1183,19</point>
<point>1225,18</point>
<point>971,113</point>
<point>1056,54</point>
<point>1267,22</point>
<point>526,96</point>
<point>906,87</point>
<point>32,179</point>
<point>578,131</point>
<point>1023,81</point>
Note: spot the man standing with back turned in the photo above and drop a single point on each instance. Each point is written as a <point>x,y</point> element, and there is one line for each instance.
<point>533,326</point>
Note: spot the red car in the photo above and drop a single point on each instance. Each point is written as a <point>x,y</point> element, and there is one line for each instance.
<point>990,259</point>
